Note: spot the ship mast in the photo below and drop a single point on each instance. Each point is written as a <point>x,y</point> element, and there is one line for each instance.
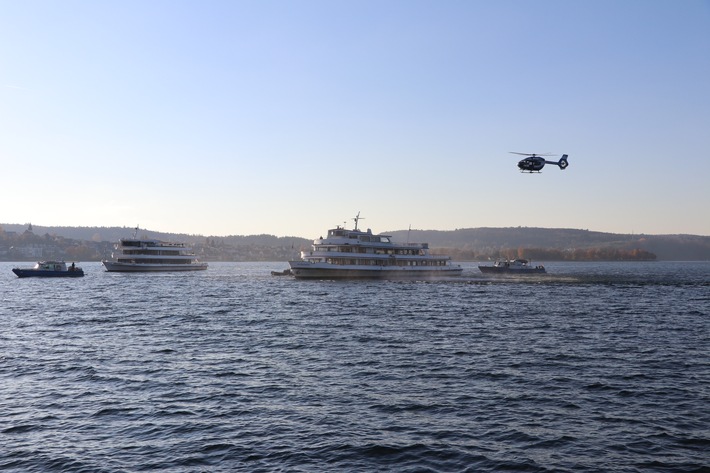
<point>357,218</point>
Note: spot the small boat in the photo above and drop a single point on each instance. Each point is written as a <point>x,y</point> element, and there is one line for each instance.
<point>513,267</point>
<point>285,272</point>
<point>351,254</point>
<point>50,269</point>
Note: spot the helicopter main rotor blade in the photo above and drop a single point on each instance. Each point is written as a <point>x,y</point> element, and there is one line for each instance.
<point>532,154</point>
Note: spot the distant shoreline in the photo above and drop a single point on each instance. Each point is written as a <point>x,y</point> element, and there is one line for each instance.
<point>22,243</point>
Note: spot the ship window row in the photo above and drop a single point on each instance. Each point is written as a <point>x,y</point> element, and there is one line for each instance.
<point>152,252</point>
<point>155,261</point>
<point>376,262</point>
<point>374,239</point>
<point>377,251</point>
<point>147,243</point>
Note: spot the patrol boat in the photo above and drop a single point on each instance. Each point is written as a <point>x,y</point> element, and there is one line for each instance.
<point>513,267</point>
<point>50,269</point>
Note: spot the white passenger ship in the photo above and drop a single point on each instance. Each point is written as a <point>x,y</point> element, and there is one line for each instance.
<point>138,255</point>
<point>361,254</point>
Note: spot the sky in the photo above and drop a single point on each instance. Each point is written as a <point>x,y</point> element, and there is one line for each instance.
<point>289,117</point>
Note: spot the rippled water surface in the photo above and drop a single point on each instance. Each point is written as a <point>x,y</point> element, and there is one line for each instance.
<point>594,367</point>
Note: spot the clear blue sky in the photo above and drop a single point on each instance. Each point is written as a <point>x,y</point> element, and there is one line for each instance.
<point>289,117</point>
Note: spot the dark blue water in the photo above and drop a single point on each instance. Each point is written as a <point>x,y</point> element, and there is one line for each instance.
<point>595,367</point>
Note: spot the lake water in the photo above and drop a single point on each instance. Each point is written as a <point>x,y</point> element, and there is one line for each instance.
<point>594,367</point>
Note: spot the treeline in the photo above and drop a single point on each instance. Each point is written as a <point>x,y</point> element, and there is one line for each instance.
<point>547,254</point>
<point>26,242</point>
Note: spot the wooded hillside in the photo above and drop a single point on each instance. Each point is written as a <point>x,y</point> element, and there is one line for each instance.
<point>469,244</point>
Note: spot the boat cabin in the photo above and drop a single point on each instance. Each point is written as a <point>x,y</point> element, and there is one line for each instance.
<point>366,237</point>
<point>51,266</point>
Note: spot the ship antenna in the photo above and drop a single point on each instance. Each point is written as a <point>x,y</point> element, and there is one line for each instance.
<point>357,218</point>
<point>135,232</point>
<point>408,232</point>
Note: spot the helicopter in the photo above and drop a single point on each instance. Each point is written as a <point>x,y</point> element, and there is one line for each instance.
<point>535,162</point>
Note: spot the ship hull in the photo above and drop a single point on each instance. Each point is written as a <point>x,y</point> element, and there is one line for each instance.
<point>34,273</point>
<point>510,272</point>
<point>113,266</point>
<point>305,270</point>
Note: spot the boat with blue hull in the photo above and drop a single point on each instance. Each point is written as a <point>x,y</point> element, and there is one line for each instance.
<point>50,269</point>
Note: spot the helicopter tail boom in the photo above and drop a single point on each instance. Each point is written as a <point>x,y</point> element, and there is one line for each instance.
<point>562,163</point>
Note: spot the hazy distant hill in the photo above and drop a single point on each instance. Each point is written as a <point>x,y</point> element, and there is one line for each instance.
<point>486,240</point>
<point>468,241</point>
<point>99,233</point>
<point>113,234</point>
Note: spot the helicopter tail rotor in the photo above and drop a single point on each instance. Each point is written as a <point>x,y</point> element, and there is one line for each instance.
<point>562,163</point>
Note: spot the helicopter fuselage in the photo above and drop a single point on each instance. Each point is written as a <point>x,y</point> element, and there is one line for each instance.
<point>531,164</point>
